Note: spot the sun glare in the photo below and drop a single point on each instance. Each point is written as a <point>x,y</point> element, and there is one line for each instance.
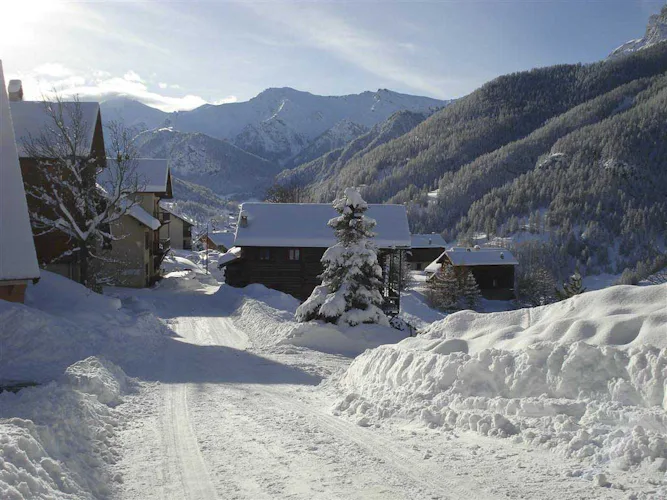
<point>27,20</point>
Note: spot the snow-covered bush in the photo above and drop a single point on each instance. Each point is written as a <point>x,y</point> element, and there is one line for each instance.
<point>352,277</point>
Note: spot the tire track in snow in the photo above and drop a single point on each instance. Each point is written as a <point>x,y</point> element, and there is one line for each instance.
<point>182,456</point>
<point>385,450</point>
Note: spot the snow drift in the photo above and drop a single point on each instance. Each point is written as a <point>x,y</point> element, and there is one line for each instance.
<point>63,322</point>
<point>586,377</point>
<point>56,441</point>
<point>267,316</point>
<point>619,315</point>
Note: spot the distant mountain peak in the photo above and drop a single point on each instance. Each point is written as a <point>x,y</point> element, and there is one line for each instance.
<point>656,32</point>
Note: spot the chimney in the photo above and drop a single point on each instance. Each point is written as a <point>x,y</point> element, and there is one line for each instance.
<point>15,90</point>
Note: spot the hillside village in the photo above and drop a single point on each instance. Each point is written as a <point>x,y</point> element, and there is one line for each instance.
<point>375,295</point>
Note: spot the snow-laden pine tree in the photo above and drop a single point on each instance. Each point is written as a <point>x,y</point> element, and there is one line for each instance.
<point>350,293</point>
<point>471,294</point>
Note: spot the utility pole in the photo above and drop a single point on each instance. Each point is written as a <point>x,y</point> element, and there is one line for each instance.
<point>207,246</point>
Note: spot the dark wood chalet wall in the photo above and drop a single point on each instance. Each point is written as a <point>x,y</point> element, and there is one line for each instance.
<point>298,278</point>
<point>424,255</point>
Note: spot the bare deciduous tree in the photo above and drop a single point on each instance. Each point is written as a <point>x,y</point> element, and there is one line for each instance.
<point>68,197</point>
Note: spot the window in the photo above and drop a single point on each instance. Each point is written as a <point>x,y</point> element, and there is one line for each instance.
<point>166,216</point>
<point>147,240</point>
<point>264,254</point>
<point>294,254</point>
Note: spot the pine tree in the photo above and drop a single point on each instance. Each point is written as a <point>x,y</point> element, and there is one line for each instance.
<point>444,290</point>
<point>471,294</point>
<point>350,292</point>
<point>572,287</point>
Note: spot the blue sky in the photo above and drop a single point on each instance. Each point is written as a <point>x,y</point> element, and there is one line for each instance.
<point>178,55</point>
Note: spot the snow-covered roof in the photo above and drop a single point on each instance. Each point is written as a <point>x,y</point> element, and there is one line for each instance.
<point>224,238</point>
<point>428,241</point>
<point>232,254</point>
<point>18,260</point>
<point>31,119</point>
<point>152,174</point>
<point>167,208</point>
<point>144,217</point>
<point>476,256</point>
<point>305,225</point>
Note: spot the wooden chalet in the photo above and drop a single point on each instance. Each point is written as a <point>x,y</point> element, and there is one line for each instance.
<point>424,249</point>
<point>280,245</point>
<point>494,269</point>
<point>18,260</point>
<point>30,119</point>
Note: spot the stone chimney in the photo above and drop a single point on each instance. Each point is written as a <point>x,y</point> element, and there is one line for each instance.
<point>15,90</point>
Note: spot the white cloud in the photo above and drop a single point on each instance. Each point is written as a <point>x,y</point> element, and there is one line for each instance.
<point>131,76</point>
<point>55,70</point>
<point>101,85</point>
<point>386,58</point>
<point>226,100</point>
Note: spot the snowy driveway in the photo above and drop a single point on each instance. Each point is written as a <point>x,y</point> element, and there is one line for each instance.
<point>226,421</point>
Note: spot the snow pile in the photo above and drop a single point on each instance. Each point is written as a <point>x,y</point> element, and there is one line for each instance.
<point>519,375</point>
<point>267,316</point>
<point>56,440</point>
<point>581,400</point>
<point>64,322</point>
<point>619,315</point>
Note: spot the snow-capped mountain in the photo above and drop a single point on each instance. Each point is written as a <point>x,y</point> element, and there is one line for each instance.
<point>198,158</point>
<point>656,32</point>
<point>132,113</point>
<point>278,123</point>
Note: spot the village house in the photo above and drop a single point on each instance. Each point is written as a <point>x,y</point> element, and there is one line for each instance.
<point>494,269</point>
<point>31,120</point>
<point>222,241</point>
<point>18,259</point>
<point>280,246</point>
<point>424,249</point>
<point>176,228</point>
<point>138,249</point>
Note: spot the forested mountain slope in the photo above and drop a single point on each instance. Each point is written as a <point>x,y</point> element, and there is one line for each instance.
<point>545,140</point>
<point>330,163</point>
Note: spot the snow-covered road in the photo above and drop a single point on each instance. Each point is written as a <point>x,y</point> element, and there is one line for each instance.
<point>225,420</point>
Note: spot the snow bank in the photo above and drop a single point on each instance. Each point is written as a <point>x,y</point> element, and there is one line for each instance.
<point>349,341</point>
<point>64,322</point>
<point>267,317</point>
<point>56,440</point>
<point>619,315</point>
<point>496,375</point>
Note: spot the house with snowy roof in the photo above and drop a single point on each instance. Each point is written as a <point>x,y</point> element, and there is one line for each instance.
<point>177,229</point>
<point>424,249</point>
<point>218,240</point>
<point>494,269</point>
<point>136,256</point>
<point>18,259</point>
<point>30,119</point>
<point>280,245</point>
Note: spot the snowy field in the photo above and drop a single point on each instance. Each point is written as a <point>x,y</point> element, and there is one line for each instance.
<point>197,390</point>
